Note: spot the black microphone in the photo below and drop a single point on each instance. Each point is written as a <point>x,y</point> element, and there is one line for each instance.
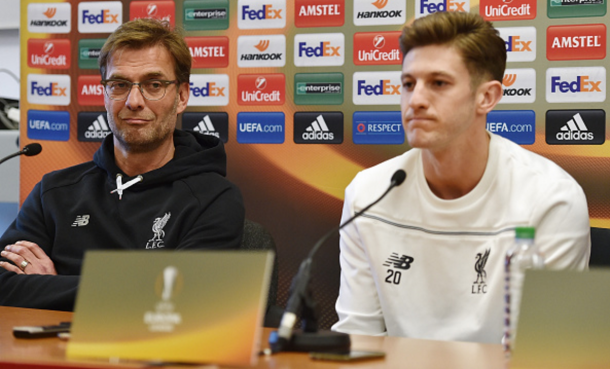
<point>28,150</point>
<point>283,339</point>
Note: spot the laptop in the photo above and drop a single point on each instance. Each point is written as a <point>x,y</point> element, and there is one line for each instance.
<point>167,306</point>
<point>564,320</point>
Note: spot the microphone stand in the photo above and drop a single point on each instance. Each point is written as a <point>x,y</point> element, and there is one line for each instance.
<point>301,296</point>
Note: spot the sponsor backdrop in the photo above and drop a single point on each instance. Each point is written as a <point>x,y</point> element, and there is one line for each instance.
<point>306,93</point>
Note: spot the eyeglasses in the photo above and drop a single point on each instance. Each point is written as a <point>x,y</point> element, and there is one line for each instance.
<point>152,89</point>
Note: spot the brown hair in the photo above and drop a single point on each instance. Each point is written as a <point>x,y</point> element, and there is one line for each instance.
<point>480,45</point>
<point>143,33</point>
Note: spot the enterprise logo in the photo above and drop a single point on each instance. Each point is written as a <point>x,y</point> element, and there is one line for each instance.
<point>318,127</point>
<point>49,17</point>
<point>575,127</point>
<point>212,124</point>
<point>425,7</point>
<point>260,128</point>
<point>376,88</point>
<point>99,16</point>
<point>48,125</point>
<point>48,53</point>
<point>88,52</point>
<point>519,86</point>
<point>318,88</point>
<point>261,51</point>
<point>209,90</point>
<point>92,126</point>
<point>379,12</point>
<point>48,89</point>
<point>518,126</point>
<point>520,43</point>
<point>258,14</point>
<point>203,15</point>
<point>378,127</point>
<point>581,84</point>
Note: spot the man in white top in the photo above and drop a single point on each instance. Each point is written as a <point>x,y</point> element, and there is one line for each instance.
<point>427,261</point>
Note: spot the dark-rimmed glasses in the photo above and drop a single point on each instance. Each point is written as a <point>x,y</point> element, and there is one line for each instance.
<point>151,89</point>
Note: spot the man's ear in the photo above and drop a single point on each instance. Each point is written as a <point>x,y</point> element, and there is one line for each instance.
<point>488,95</point>
<point>183,97</point>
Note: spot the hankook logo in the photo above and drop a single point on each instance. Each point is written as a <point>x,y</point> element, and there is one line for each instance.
<point>261,51</point>
<point>519,86</point>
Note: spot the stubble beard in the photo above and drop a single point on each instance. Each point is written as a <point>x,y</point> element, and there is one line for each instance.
<point>145,139</point>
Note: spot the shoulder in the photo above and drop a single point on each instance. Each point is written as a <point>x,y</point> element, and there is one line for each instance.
<point>382,173</point>
<point>68,176</point>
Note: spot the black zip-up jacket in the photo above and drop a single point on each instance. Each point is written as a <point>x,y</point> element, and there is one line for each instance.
<point>187,204</point>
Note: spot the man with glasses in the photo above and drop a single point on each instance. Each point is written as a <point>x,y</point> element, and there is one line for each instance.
<point>149,186</point>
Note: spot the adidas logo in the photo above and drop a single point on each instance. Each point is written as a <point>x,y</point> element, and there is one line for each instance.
<point>318,130</point>
<point>206,127</point>
<point>575,129</point>
<point>98,129</point>
<point>81,220</point>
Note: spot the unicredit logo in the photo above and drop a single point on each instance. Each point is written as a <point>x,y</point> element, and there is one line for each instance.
<point>267,89</point>
<point>377,48</point>
<point>497,10</point>
<point>162,10</point>
<point>54,54</point>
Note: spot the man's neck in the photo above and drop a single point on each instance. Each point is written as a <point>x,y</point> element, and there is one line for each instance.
<point>454,172</point>
<point>135,163</point>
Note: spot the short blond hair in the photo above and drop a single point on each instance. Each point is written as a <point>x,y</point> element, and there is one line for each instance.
<point>143,33</point>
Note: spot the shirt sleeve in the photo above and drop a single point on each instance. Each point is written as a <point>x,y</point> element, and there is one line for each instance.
<point>563,228</point>
<point>358,305</point>
<point>35,291</point>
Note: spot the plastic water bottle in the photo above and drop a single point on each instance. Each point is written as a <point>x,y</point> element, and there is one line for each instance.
<point>522,256</point>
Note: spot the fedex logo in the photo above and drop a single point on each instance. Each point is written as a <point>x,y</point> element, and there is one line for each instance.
<point>48,89</point>
<point>256,14</point>
<point>90,90</point>
<point>319,13</point>
<point>209,52</point>
<point>581,84</point>
<point>163,10</point>
<point>49,17</point>
<point>376,88</point>
<point>379,12</point>
<point>99,16</point>
<point>321,49</point>
<point>503,10</point>
<point>209,90</point>
<point>432,6</point>
<point>519,86</point>
<point>51,54</point>
<point>520,43</point>
<point>261,51</point>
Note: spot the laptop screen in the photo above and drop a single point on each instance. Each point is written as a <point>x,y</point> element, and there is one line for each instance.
<point>193,306</point>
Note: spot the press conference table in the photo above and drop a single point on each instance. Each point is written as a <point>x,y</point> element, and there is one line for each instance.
<point>50,353</point>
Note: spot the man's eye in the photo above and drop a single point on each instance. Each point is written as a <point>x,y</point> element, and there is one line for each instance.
<point>118,85</point>
<point>155,85</point>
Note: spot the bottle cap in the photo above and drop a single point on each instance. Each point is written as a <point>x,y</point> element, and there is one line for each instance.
<point>525,232</point>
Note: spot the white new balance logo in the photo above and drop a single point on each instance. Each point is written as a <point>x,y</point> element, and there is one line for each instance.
<point>318,130</point>
<point>81,220</point>
<point>98,129</point>
<point>575,129</point>
<point>206,127</point>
